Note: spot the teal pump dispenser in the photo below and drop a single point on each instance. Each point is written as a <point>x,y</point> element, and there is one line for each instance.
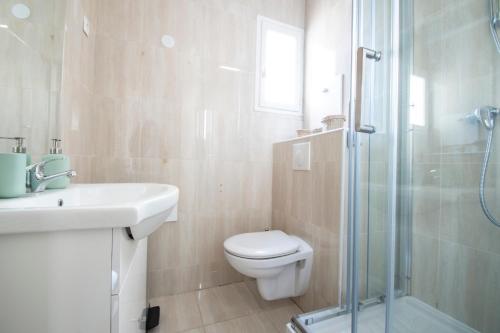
<point>19,147</point>
<point>60,163</point>
<point>13,170</point>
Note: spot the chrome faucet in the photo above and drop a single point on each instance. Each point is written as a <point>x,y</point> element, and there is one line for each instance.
<point>37,181</point>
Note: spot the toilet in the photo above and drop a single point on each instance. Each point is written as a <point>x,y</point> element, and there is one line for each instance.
<point>281,263</point>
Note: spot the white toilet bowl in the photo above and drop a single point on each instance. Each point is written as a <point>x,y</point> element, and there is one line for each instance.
<point>281,263</point>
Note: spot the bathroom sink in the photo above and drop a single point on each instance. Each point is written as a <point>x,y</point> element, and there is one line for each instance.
<point>140,207</point>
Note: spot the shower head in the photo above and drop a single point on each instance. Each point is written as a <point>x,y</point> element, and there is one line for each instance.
<point>487,115</point>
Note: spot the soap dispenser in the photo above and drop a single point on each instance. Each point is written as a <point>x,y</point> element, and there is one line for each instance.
<point>60,163</point>
<point>13,170</point>
<point>19,147</point>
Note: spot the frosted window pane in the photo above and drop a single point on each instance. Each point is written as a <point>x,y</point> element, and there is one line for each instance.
<point>280,72</point>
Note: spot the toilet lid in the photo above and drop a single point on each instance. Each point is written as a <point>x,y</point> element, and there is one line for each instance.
<point>261,245</point>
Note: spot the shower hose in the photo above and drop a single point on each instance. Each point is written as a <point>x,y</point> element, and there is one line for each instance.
<point>484,170</point>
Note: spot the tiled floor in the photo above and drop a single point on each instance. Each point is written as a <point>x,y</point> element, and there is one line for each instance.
<point>232,308</point>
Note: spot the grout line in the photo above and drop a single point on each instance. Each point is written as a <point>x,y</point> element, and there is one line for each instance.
<point>188,291</point>
<point>198,305</point>
<point>297,305</point>
<point>199,310</point>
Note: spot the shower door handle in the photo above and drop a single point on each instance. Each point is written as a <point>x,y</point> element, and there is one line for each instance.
<point>363,53</point>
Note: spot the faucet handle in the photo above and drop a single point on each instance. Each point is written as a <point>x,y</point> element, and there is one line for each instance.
<point>487,116</point>
<point>36,166</point>
<point>39,165</point>
<point>35,171</point>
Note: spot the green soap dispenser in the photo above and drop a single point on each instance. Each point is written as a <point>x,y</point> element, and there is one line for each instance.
<point>19,147</point>
<point>13,170</point>
<point>60,163</point>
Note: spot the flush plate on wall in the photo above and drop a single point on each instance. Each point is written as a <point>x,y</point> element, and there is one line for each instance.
<point>302,156</point>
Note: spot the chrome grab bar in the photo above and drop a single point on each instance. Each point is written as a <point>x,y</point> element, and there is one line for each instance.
<point>362,54</point>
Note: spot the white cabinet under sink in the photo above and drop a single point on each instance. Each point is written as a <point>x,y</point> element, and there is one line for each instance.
<point>87,281</point>
<point>75,260</point>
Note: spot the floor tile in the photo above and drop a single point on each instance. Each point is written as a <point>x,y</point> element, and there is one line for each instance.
<point>233,308</point>
<point>178,313</point>
<point>226,302</point>
<point>258,322</point>
<point>195,330</point>
<point>281,316</point>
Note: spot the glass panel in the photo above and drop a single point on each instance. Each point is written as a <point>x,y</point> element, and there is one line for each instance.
<point>450,67</point>
<point>374,150</point>
<point>373,163</point>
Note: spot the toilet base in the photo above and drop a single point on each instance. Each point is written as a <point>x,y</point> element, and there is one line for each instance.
<point>288,283</point>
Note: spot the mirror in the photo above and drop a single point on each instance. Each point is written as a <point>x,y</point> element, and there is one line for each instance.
<point>31,53</point>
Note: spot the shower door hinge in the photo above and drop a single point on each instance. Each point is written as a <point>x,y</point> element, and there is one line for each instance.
<point>351,140</point>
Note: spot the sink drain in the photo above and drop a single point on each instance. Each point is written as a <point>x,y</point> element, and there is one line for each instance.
<point>60,202</point>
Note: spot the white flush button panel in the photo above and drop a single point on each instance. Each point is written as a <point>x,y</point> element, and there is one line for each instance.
<point>86,26</point>
<point>302,156</point>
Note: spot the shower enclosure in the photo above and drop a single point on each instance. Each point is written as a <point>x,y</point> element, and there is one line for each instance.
<point>424,250</point>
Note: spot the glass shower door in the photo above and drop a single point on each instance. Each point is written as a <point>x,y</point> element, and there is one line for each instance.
<point>425,252</point>
<point>449,78</point>
<point>372,157</point>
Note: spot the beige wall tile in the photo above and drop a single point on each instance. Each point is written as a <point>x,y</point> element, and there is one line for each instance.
<point>461,269</point>
<point>491,321</point>
<point>309,204</point>
<point>119,67</point>
<point>152,114</point>
<point>425,269</point>
<point>455,248</point>
<point>121,19</point>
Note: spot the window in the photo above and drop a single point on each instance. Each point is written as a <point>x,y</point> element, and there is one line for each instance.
<point>280,62</point>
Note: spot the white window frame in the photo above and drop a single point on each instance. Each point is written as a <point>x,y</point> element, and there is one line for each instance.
<point>264,23</point>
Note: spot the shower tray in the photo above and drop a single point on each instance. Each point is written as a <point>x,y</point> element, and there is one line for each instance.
<point>410,316</point>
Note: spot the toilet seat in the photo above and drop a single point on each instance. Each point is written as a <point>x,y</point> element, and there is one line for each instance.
<point>261,245</point>
<point>280,263</point>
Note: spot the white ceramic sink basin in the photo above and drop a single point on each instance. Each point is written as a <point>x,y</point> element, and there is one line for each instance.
<point>141,207</point>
